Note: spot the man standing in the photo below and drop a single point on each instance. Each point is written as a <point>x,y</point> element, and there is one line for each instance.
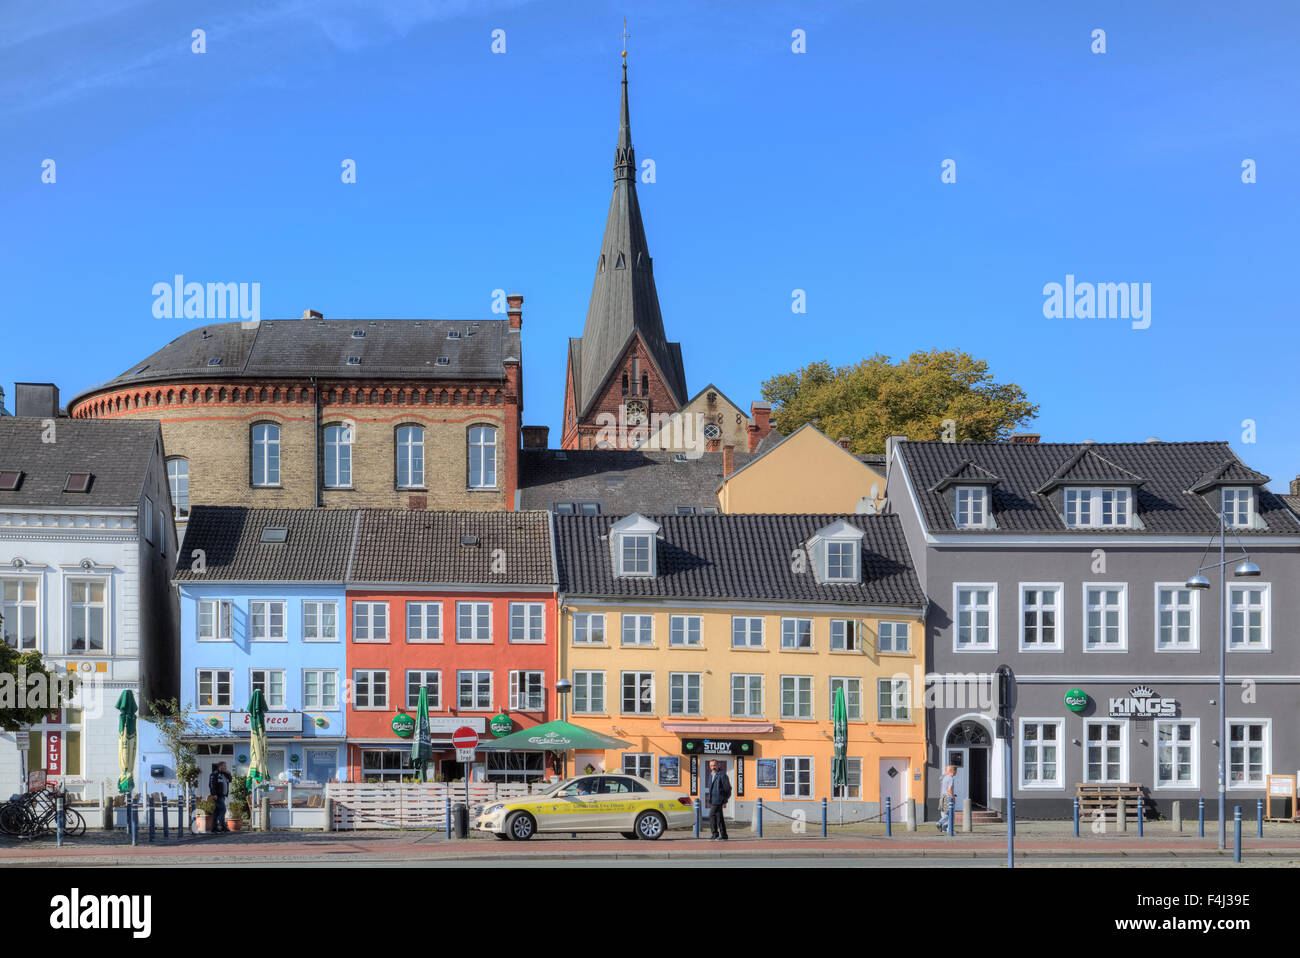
<point>718,793</point>
<point>947,796</point>
<point>219,788</point>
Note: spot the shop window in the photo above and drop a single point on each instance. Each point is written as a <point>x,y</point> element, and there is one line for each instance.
<point>854,774</point>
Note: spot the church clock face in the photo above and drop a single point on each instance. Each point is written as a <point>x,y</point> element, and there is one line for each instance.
<point>636,412</point>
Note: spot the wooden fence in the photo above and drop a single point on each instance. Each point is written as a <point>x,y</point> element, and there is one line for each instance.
<point>411,805</point>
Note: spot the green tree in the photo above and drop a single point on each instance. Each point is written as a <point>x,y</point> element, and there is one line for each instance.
<point>175,724</point>
<point>942,394</point>
<point>28,690</point>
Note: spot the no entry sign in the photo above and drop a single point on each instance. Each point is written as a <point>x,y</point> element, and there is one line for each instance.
<point>464,737</point>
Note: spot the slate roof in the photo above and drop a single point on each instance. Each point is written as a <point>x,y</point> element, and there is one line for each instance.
<point>317,548</point>
<point>966,471</point>
<point>622,481</point>
<point>1228,472</point>
<point>395,546</point>
<point>367,545</point>
<point>737,557</point>
<point>1086,467</point>
<point>1164,501</point>
<point>391,348</point>
<point>1293,502</point>
<point>115,453</point>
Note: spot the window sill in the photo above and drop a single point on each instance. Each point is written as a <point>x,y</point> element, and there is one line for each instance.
<point>356,641</point>
<point>338,488</point>
<point>265,485</point>
<point>1043,648</point>
<point>215,640</point>
<point>898,655</point>
<point>411,488</point>
<point>1240,648</point>
<point>1088,651</point>
<point>592,714</point>
<point>748,648</point>
<point>421,642</point>
<point>484,489</point>
<point>320,641</point>
<point>800,651</point>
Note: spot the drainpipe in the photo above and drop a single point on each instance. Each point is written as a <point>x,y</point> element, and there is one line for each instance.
<point>315,469</point>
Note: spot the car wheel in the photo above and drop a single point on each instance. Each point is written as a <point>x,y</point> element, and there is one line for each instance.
<point>521,826</point>
<point>631,835</point>
<point>650,825</point>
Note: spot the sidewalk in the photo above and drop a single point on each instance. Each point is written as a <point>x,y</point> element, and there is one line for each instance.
<point>1049,840</point>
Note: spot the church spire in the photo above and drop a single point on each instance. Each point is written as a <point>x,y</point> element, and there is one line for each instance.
<point>624,154</point>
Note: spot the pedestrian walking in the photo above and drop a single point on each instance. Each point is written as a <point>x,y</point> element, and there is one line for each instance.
<point>219,789</point>
<point>947,795</point>
<point>718,794</point>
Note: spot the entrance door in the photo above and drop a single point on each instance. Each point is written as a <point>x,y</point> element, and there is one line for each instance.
<point>894,775</point>
<point>706,776</point>
<point>961,787</point>
<point>208,756</point>
<point>979,777</point>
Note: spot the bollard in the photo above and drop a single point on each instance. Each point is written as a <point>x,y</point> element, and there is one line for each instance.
<point>133,803</point>
<point>180,817</point>
<point>1200,818</point>
<point>823,818</point>
<point>911,814</point>
<point>967,815</point>
<point>151,805</point>
<point>697,818</point>
<point>889,817</point>
<point>1121,815</point>
<point>1178,816</point>
<point>1236,840</point>
<point>166,815</point>
<point>1013,818</point>
<point>952,815</point>
<point>329,814</point>
<point>1259,818</point>
<point>1140,815</point>
<point>266,811</point>
<point>58,820</point>
<point>1076,816</point>
<point>447,814</point>
<point>760,817</point>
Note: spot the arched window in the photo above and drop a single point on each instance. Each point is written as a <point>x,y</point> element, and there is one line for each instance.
<point>266,454</point>
<point>178,480</point>
<point>482,457</point>
<point>338,456</point>
<point>625,384</point>
<point>645,384</point>
<point>410,457</point>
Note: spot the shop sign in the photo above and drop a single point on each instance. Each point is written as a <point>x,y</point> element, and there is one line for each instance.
<point>403,725</point>
<point>740,778</point>
<point>54,752</point>
<point>670,770</point>
<point>767,773</point>
<point>1142,702</point>
<point>275,722</point>
<point>717,746</point>
<point>501,725</point>
<point>1076,700</point>
<point>695,774</point>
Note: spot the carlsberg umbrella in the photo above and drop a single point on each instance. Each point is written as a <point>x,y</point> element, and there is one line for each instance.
<point>257,728</point>
<point>840,720</point>
<point>126,741</point>
<point>421,746</point>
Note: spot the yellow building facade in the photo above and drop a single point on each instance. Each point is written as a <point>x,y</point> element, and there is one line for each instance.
<point>806,473</point>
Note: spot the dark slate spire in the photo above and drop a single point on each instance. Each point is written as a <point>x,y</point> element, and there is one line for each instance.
<point>623,297</point>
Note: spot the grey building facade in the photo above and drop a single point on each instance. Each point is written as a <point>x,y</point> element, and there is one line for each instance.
<point>1068,563</point>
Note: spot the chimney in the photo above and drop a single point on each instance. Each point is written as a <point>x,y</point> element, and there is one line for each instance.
<point>312,314</point>
<point>515,302</point>
<point>536,437</point>
<point>712,445</point>
<point>760,414</point>
<point>1295,486</point>
<point>843,443</point>
<point>890,443</point>
<point>39,400</point>
<point>1026,438</point>
<point>728,461</point>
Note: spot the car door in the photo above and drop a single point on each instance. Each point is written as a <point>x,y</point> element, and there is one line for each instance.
<point>569,807</point>
<point>617,805</point>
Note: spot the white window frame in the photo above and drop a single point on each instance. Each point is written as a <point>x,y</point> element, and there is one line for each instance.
<point>686,627</point>
<point>638,542</point>
<point>284,688</point>
<point>531,618</point>
<point>1240,513</point>
<point>895,625</point>
<point>1062,756</point>
<point>372,705</point>
<point>1266,617</point>
<point>643,707</point>
<point>425,636</point>
<point>336,448</point>
<point>435,691</point>
<point>1058,608</point>
<point>269,443</point>
<point>1195,627</point>
<point>106,584</point>
<point>482,437</point>
<point>972,503</point>
<point>1103,649</point>
<point>1267,739</point>
<point>640,627</point>
<point>582,625</point>
<point>522,682</point>
<point>24,607</point>
<point>852,771</point>
<point>218,704</point>
<point>370,637</point>
<point>319,704</point>
<point>957,609</point>
<point>180,503</point>
<point>800,683</point>
<point>854,715</point>
<point>850,635</point>
<point>320,607</point>
<point>476,622</point>
<point>796,794</point>
<point>748,682</point>
<point>1174,785</point>
<point>680,683</point>
<point>899,687</point>
<point>1123,726</point>
<point>478,676</point>
<point>224,612</point>
<point>148,520</point>
<point>1076,499</point>
<point>748,630</point>
<point>583,678</point>
<point>854,547</point>
<point>410,456</point>
<point>792,625</point>
<point>266,613</point>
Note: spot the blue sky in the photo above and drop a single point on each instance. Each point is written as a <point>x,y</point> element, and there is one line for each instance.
<point>775,171</point>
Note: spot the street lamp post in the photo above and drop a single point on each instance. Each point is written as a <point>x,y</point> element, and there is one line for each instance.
<point>1244,569</point>
<point>562,689</point>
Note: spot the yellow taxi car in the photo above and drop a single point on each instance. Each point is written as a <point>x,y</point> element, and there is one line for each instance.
<point>625,804</point>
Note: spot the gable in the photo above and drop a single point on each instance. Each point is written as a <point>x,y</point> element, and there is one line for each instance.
<point>805,473</point>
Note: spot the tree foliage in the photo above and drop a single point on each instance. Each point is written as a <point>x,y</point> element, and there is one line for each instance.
<point>175,725</point>
<point>944,394</point>
<point>28,690</point>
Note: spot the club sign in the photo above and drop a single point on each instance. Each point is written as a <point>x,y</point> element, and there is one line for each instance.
<point>1142,702</point>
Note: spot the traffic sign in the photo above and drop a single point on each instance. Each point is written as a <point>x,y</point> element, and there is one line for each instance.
<point>464,755</point>
<point>464,738</point>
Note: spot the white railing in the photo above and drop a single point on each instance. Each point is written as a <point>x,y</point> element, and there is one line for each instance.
<point>411,805</point>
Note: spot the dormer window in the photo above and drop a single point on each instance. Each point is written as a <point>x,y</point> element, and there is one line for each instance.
<point>1090,508</point>
<point>972,506</point>
<point>632,541</point>
<point>837,553</point>
<point>1238,504</point>
<point>841,562</point>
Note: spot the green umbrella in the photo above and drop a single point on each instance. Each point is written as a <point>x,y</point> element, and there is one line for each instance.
<point>257,728</point>
<point>555,737</point>
<point>126,741</point>
<point>421,746</point>
<point>840,719</point>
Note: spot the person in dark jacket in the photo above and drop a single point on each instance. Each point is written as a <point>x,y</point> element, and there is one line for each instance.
<point>219,788</point>
<point>718,794</point>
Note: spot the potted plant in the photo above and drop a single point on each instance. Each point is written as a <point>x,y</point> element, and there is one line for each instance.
<point>207,807</point>
<point>237,807</point>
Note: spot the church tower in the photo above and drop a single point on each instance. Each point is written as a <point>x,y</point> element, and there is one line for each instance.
<point>623,365</point>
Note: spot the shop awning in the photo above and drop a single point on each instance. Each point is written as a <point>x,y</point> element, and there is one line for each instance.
<point>719,728</point>
<point>555,737</point>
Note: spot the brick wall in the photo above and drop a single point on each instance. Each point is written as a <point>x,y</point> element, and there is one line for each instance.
<point>611,397</point>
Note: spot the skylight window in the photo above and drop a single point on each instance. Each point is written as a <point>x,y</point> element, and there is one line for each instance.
<point>469,540</point>
<point>275,534</point>
<point>10,480</point>
<point>214,361</point>
<point>453,334</point>
<point>354,360</point>
<point>444,361</point>
<point>77,482</point>
<point>358,334</point>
